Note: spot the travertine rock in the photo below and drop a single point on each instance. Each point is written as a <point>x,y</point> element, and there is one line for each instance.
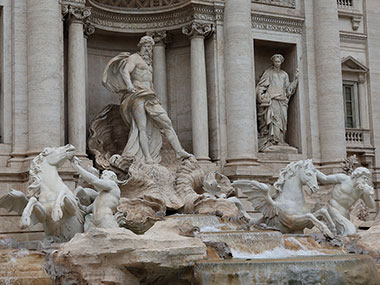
<point>23,267</point>
<point>151,180</point>
<point>160,256</point>
<point>139,214</point>
<point>369,241</point>
<point>215,206</point>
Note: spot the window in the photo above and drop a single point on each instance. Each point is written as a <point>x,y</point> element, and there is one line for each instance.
<point>350,104</point>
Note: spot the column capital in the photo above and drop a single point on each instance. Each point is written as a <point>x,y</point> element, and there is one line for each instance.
<point>159,37</point>
<point>75,14</point>
<point>361,78</point>
<point>196,29</point>
<point>89,29</point>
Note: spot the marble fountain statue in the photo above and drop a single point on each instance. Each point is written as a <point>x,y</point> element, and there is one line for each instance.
<point>149,214</point>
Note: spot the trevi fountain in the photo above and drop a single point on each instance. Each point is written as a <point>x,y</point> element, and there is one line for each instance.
<point>131,198</point>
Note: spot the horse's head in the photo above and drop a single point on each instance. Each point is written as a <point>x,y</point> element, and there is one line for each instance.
<point>308,175</point>
<point>56,156</point>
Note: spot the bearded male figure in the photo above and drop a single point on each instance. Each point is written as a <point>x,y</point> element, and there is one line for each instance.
<point>273,93</point>
<point>347,190</point>
<point>130,76</point>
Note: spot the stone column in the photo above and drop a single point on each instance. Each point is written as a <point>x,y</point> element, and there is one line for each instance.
<point>329,83</point>
<point>363,105</point>
<point>373,21</point>
<point>76,77</point>
<point>159,67</point>
<point>239,84</point>
<point>199,111</point>
<point>45,76</point>
<point>20,88</point>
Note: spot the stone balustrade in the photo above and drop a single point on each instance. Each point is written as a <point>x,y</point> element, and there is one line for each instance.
<point>357,138</point>
<point>345,3</point>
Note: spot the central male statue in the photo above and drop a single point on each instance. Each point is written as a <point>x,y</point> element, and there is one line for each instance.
<point>273,93</point>
<point>131,76</point>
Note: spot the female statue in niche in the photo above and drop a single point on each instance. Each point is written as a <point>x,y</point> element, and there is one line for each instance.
<point>273,93</point>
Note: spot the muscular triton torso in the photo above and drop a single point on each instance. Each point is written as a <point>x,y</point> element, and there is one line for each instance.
<point>343,196</point>
<point>105,205</point>
<point>141,76</point>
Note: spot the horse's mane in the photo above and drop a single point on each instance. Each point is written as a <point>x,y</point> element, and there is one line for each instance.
<point>289,171</point>
<point>34,176</point>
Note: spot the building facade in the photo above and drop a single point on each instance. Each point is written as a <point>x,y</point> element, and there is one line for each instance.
<point>208,57</point>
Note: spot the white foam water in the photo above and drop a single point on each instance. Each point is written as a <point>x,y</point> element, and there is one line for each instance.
<point>277,252</point>
<point>211,229</point>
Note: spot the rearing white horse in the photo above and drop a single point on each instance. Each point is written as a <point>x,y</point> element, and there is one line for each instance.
<point>287,211</point>
<point>51,202</point>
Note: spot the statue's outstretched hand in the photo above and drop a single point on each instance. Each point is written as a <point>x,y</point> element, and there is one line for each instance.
<point>296,74</point>
<point>131,89</point>
<point>75,161</point>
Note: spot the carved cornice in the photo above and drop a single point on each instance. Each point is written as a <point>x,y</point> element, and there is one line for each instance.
<point>281,3</point>
<point>278,24</point>
<point>78,3</point>
<point>130,21</point>
<point>196,29</point>
<point>353,38</point>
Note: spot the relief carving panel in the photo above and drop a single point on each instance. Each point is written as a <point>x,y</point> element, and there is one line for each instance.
<point>139,4</point>
<point>282,3</point>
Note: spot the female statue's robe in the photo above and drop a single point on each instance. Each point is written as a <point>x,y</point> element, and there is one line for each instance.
<point>273,92</point>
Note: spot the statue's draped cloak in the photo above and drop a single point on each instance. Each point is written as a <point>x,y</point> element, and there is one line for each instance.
<point>273,117</point>
<point>114,81</point>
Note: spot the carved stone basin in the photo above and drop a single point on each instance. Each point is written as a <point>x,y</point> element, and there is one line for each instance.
<point>336,269</point>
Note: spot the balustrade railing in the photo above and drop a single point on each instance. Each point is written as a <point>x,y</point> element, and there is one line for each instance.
<point>358,138</point>
<point>354,136</point>
<point>345,3</point>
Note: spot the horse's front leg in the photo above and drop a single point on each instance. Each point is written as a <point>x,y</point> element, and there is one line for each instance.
<point>326,216</point>
<point>311,218</point>
<point>70,205</point>
<point>57,213</point>
<point>33,207</point>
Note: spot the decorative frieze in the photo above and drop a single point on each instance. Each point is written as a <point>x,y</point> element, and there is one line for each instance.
<point>198,29</point>
<point>281,3</point>
<point>140,4</point>
<point>353,38</point>
<point>130,21</point>
<point>278,24</point>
